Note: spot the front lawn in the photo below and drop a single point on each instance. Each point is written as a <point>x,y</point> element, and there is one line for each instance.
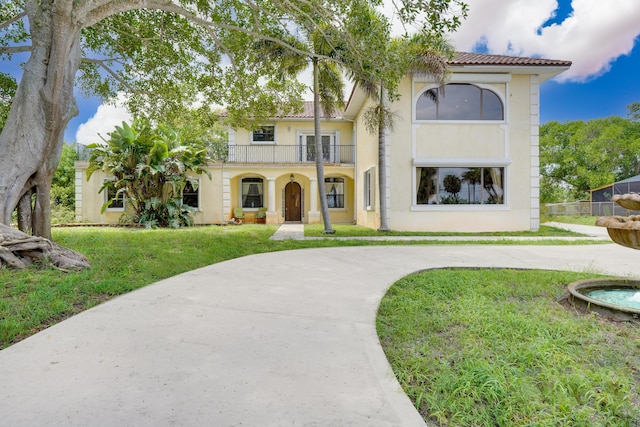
<point>497,348</point>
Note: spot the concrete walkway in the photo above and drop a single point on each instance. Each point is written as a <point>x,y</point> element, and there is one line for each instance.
<point>277,339</point>
<point>296,232</point>
<point>289,231</point>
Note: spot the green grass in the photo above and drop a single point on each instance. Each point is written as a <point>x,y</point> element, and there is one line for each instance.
<point>496,348</point>
<point>580,220</point>
<point>345,230</point>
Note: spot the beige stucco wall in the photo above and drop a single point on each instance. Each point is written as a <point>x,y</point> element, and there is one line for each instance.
<point>463,143</point>
<point>89,201</point>
<point>281,175</point>
<point>366,159</point>
<point>287,131</point>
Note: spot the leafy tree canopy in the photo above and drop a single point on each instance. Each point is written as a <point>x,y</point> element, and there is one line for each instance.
<point>578,156</point>
<point>8,87</point>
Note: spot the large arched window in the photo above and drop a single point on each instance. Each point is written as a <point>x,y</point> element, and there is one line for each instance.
<point>460,101</point>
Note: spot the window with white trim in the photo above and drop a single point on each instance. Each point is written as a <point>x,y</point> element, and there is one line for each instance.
<point>459,101</point>
<point>111,195</point>
<point>369,188</point>
<point>460,185</point>
<point>264,135</point>
<point>191,194</point>
<point>334,187</point>
<point>330,147</point>
<point>252,192</point>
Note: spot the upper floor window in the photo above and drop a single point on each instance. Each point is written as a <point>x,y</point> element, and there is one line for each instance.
<point>264,135</point>
<point>330,147</point>
<point>460,101</point>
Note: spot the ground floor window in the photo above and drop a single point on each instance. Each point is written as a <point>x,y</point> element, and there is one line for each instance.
<point>459,185</point>
<point>252,193</point>
<point>190,194</point>
<point>334,188</point>
<point>368,188</point>
<point>112,199</point>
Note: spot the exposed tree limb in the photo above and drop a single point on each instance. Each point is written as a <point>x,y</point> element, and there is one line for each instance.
<point>103,64</point>
<point>12,20</point>
<point>15,49</point>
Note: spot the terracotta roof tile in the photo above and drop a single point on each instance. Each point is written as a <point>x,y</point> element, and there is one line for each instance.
<point>307,113</point>
<point>466,58</point>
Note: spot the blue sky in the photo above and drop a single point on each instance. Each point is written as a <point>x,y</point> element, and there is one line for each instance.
<point>600,38</point>
<point>604,96</point>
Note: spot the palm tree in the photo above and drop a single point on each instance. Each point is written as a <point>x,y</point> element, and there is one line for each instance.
<point>328,87</point>
<point>402,56</point>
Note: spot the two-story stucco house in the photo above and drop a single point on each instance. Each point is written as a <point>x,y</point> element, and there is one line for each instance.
<point>465,159</point>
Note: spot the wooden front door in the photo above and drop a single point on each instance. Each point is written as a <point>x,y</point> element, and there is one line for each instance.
<point>292,202</point>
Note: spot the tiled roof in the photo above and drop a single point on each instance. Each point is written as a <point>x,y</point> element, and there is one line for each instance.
<point>466,58</point>
<point>307,112</point>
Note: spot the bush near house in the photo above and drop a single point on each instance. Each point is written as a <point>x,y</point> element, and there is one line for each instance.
<point>150,167</point>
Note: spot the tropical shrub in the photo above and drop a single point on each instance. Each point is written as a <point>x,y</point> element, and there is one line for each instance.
<point>150,168</point>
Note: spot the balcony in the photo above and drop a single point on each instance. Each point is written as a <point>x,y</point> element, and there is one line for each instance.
<point>333,153</point>
<point>289,154</point>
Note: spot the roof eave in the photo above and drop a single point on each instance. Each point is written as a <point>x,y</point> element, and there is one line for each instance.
<point>545,72</point>
<point>355,103</point>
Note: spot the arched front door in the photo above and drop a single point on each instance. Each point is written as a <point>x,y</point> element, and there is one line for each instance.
<point>292,202</point>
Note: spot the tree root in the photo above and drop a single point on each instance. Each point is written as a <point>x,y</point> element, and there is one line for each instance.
<point>19,250</point>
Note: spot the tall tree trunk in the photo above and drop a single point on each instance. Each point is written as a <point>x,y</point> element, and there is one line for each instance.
<point>322,191</point>
<point>382,162</point>
<point>31,141</point>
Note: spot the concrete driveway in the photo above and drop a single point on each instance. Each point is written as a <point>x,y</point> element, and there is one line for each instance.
<point>278,339</point>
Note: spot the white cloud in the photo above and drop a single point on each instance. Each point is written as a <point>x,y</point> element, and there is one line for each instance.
<point>104,121</point>
<point>593,36</point>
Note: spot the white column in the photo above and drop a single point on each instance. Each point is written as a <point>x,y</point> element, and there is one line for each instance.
<point>313,216</point>
<point>535,153</point>
<point>271,182</point>
<point>313,194</point>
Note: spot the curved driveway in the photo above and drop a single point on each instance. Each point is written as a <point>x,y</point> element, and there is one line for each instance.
<point>278,339</point>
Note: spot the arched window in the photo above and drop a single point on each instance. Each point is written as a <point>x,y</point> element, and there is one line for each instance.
<point>460,101</point>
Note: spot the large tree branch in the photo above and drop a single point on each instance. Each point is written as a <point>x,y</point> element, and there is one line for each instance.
<point>109,8</point>
<point>12,20</point>
<point>102,63</point>
<point>15,49</point>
